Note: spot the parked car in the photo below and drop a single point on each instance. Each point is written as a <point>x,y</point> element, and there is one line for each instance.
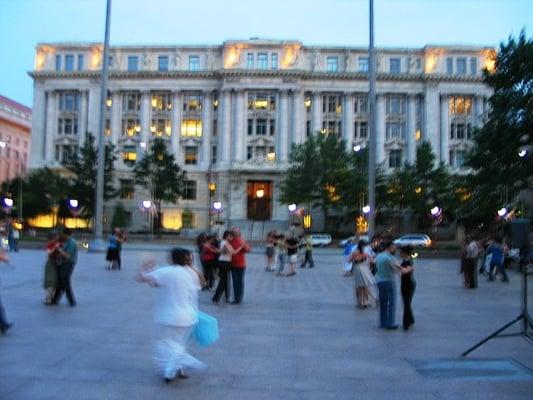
<point>413,239</point>
<point>321,239</point>
<point>355,238</point>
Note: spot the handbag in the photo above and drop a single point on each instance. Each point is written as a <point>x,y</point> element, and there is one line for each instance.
<point>206,330</point>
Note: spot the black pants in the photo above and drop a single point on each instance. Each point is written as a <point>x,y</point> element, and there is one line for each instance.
<point>223,271</point>
<point>237,275</point>
<point>308,259</point>
<point>209,272</point>
<point>3,320</point>
<point>64,273</point>
<point>408,290</point>
<point>469,272</point>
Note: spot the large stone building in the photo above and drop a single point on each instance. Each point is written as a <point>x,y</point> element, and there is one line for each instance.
<point>230,113</point>
<point>15,138</point>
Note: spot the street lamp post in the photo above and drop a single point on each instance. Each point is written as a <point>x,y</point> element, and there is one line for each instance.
<point>292,209</point>
<point>371,124</point>
<point>147,206</point>
<point>3,145</point>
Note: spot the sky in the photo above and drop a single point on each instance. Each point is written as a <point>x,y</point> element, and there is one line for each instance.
<point>398,23</point>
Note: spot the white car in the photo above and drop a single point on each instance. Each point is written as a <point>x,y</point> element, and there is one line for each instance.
<point>413,239</point>
<point>320,239</point>
<point>356,239</point>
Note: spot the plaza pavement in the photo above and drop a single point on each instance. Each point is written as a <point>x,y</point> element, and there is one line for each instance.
<point>292,338</point>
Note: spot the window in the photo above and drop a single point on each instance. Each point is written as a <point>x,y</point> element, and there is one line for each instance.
<point>418,63</point>
<point>214,154</point>
<point>332,64</point>
<point>461,66</point>
<point>250,60</point>
<point>131,102</point>
<point>308,128</point>
<point>191,128</point>
<point>449,66</point>
<point>460,105</point>
<point>68,101</point>
<point>189,190</point>
<point>395,105</point>
<point>194,63</point>
<point>274,61</point>
<point>261,127</point>
<point>395,158</point>
<point>191,155</point>
<point>361,105</point>
<point>249,152</point>
<point>192,102</point>
<point>261,101</point>
<point>250,127</point>
<point>129,155</point>
<point>58,62</point>
<point>272,127</point>
<point>361,129</point>
<point>262,61</point>
<point>215,127</point>
<point>67,126</point>
<point>161,102</point>
<point>457,158</point>
<point>133,63</point>
<point>460,130</point>
<point>162,63</point>
<point>69,62</point>
<point>110,61</point>
<point>64,152</point>
<point>362,64</point>
<point>394,65</point>
<point>160,127</point>
<point>80,62</point>
<point>473,66</point>
<point>131,127</point>
<point>127,189</point>
<point>394,130</point>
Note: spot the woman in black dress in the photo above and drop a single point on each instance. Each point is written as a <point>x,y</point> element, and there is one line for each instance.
<point>408,286</point>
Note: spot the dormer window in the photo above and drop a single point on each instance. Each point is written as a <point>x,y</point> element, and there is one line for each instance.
<point>274,61</point>
<point>395,66</point>
<point>133,63</point>
<point>194,63</point>
<point>250,60</point>
<point>262,61</point>
<point>332,64</point>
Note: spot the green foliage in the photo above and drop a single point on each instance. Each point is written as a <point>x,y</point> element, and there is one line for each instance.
<point>120,217</point>
<point>499,174</point>
<point>159,173</point>
<point>82,171</point>
<point>187,219</point>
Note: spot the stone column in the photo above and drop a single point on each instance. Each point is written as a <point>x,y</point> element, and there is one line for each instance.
<point>347,112</point>
<point>51,127</point>
<point>444,155</point>
<point>224,135</point>
<point>38,129</point>
<point>239,127</point>
<point>116,117</point>
<point>478,111</point>
<point>411,128</point>
<point>83,117</point>
<point>431,118</point>
<point>177,107</point>
<point>298,120</point>
<point>282,145</point>
<point>145,116</point>
<point>207,119</point>
<point>316,118</point>
<point>93,124</point>
<point>380,129</point>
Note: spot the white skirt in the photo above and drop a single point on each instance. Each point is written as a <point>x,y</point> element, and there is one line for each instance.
<point>170,350</point>
<point>362,275</point>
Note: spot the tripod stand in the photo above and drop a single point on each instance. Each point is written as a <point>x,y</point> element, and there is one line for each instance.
<point>526,326</point>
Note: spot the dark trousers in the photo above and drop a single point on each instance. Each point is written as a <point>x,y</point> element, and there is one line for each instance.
<point>64,273</point>
<point>497,267</point>
<point>209,272</point>
<point>237,275</point>
<point>387,304</point>
<point>223,272</point>
<point>408,290</point>
<point>3,319</point>
<point>308,258</point>
<point>469,272</point>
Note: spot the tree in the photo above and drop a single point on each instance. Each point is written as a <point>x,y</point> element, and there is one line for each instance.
<point>82,169</point>
<point>120,217</point>
<point>500,174</point>
<point>159,173</point>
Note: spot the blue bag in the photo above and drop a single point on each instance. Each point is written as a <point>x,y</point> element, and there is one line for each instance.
<point>206,330</point>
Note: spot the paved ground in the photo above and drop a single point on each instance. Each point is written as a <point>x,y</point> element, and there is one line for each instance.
<point>293,338</point>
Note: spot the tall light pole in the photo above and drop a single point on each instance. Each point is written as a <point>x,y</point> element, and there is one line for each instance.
<point>99,198</point>
<point>371,126</point>
<point>3,145</point>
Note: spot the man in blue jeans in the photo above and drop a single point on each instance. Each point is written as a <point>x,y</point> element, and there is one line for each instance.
<point>386,266</point>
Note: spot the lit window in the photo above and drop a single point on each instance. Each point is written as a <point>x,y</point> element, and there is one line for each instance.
<point>58,62</point>
<point>395,158</point>
<point>194,63</point>
<point>131,127</point>
<point>274,60</point>
<point>129,155</point>
<point>262,61</point>
<point>80,62</point>
<point>395,65</point>
<point>192,102</point>
<point>362,64</point>
<point>461,66</point>
<point>332,64</point>
<point>460,105</point>
<point>69,62</point>
<point>160,127</point>
<point>162,63</point>
<point>473,66</point>
<point>191,128</point>
<point>191,155</point>
<point>449,66</point>
<point>250,60</point>
<point>161,102</point>
<point>189,190</point>
<point>133,63</point>
<point>127,189</point>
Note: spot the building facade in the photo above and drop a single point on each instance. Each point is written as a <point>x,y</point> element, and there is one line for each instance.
<point>230,113</point>
<point>15,138</point>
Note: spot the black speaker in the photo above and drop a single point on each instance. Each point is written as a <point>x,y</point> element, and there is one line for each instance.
<point>519,230</point>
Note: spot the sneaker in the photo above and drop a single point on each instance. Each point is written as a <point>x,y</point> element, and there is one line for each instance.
<point>5,328</point>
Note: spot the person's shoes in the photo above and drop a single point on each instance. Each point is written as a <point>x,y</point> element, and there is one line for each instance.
<point>505,280</point>
<point>214,301</point>
<point>168,380</point>
<point>73,304</point>
<point>392,327</point>
<point>5,328</point>
<point>182,375</point>
<point>302,266</point>
<point>235,302</point>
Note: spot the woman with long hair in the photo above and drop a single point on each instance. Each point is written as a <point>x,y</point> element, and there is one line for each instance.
<point>363,278</point>
<point>224,266</point>
<point>408,286</point>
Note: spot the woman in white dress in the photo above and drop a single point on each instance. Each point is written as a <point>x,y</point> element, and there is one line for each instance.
<point>364,281</point>
<point>176,311</point>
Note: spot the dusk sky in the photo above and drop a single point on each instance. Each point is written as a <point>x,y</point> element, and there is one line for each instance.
<point>399,23</point>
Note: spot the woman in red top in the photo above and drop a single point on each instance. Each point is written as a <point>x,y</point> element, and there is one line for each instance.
<point>208,257</point>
